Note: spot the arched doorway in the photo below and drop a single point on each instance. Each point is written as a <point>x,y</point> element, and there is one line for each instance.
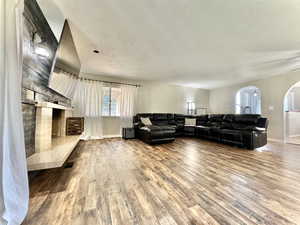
<point>291,115</point>
<point>248,101</point>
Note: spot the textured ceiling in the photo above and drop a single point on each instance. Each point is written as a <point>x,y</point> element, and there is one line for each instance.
<point>195,43</point>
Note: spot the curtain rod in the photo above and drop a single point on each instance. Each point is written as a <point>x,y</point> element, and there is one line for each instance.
<point>110,82</point>
<point>104,81</point>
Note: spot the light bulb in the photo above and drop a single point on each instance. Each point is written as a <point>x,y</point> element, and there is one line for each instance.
<point>41,51</point>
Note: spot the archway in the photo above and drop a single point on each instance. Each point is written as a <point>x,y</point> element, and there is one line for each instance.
<point>291,114</point>
<point>248,101</point>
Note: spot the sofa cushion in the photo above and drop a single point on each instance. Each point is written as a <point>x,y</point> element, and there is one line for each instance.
<point>202,131</point>
<point>189,129</point>
<point>226,125</point>
<point>179,117</point>
<point>160,128</point>
<point>172,122</point>
<point>154,128</point>
<point>170,116</point>
<point>216,118</point>
<point>202,120</point>
<point>247,119</point>
<point>160,122</point>
<point>160,116</point>
<point>215,133</point>
<point>215,130</point>
<point>229,118</point>
<point>160,119</point>
<point>232,135</point>
<point>214,124</point>
<point>243,126</point>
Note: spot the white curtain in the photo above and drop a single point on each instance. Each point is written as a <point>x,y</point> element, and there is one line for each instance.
<point>87,101</point>
<point>128,104</point>
<point>86,98</point>
<point>63,84</point>
<point>14,193</point>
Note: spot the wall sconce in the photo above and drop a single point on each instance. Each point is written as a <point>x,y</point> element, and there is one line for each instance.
<point>191,108</point>
<point>255,93</point>
<point>36,38</point>
<point>41,51</point>
<point>38,46</point>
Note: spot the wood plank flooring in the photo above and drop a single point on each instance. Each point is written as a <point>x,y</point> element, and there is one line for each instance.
<point>189,182</point>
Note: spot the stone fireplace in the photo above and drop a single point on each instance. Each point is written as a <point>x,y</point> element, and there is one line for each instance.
<point>50,124</point>
<point>52,146</point>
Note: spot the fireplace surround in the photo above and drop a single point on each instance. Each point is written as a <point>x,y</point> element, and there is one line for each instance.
<point>50,124</point>
<point>52,146</point>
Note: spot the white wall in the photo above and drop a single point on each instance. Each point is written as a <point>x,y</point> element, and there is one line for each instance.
<point>161,98</point>
<point>155,98</point>
<point>273,90</point>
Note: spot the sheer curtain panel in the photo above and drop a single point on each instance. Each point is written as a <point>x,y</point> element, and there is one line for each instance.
<point>128,104</point>
<point>64,84</point>
<point>87,101</point>
<point>14,193</point>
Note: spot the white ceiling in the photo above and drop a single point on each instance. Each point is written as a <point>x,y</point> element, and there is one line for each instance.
<point>195,43</point>
<point>54,16</point>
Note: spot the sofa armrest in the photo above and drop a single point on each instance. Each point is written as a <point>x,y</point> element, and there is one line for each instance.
<point>254,139</point>
<point>259,129</point>
<point>263,123</point>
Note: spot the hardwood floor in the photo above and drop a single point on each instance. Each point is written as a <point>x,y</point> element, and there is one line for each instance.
<point>189,181</point>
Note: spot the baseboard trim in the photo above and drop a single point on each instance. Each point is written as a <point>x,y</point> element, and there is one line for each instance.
<point>275,140</point>
<point>296,135</point>
<point>112,136</point>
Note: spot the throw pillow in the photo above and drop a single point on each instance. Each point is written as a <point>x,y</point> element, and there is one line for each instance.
<point>146,121</point>
<point>190,122</point>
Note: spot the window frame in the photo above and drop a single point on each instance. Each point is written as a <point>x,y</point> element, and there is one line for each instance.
<point>110,101</point>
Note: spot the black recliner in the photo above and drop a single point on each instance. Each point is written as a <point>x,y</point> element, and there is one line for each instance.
<point>160,131</point>
<point>248,131</point>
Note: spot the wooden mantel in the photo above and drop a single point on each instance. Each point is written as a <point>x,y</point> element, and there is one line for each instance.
<point>52,105</point>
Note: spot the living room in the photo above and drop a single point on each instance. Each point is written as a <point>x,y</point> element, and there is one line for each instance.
<point>138,112</point>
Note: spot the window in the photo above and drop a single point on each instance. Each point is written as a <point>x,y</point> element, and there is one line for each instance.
<point>248,101</point>
<point>191,108</point>
<point>111,101</point>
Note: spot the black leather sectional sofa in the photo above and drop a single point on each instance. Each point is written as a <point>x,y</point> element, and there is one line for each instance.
<point>247,131</point>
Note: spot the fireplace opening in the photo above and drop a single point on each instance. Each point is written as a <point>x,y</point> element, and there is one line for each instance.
<point>57,123</point>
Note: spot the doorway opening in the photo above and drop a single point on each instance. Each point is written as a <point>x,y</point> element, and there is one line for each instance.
<point>248,101</point>
<point>291,115</point>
